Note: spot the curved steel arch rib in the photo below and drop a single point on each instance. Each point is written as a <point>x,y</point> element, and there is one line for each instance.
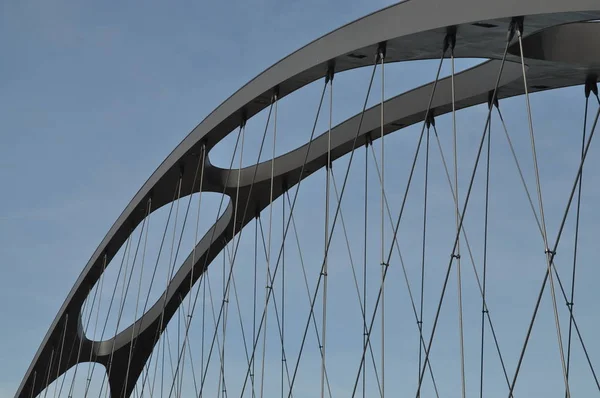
<point>411,31</point>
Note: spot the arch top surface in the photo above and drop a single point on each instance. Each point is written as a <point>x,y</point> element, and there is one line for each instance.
<point>412,30</point>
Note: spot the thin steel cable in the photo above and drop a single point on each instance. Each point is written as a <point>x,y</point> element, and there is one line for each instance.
<point>365,246</point>
<point>33,383</point>
<point>334,220</point>
<point>91,362</point>
<point>109,309</point>
<point>461,220</point>
<point>552,254</point>
<point>237,245</point>
<point>423,250</point>
<point>160,248</point>
<point>303,267</point>
<point>189,316</point>
<point>352,267</point>
<point>288,222</point>
<point>575,243</point>
<point>205,264</point>
<point>279,324</point>
<point>60,354</point>
<point>124,291</point>
<point>485,252</point>
<point>146,220</point>
<point>400,216</point>
<point>405,275</point>
<point>382,243</point>
<point>472,259</point>
<point>269,241</point>
<point>283,357</point>
<point>49,372</point>
<point>543,219</point>
<point>326,238</point>
<point>457,216</point>
<point>87,323</point>
<point>252,376</point>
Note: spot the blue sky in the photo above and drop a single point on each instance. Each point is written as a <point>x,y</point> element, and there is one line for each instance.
<point>95,95</point>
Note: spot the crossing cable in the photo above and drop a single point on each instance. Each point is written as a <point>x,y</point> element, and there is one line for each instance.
<point>205,263</point>
<point>268,259</point>
<point>283,356</point>
<point>326,238</point>
<point>124,292</point>
<point>382,51</point>
<point>485,249</point>
<point>188,318</point>
<point>472,260</point>
<point>90,366</point>
<point>237,244</point>
<point>451,37</point>
<point>405,274</point>
<point>567,301</point>
<point>87,323</point>
<point>335,218</point>
<point>145,229</point>
<point>364,303</point>
<point>423,244</point>
<point>303,267</point>
<point>287,227</point>
<point>226,291</point>
<point>452,257</point>
<point>541,206</point>
<point>91,372</point>
<point>401,211</point>
<point>170,271</point>
<point>252,375</point>
<point>552,255</point>
<point>361,298</point>
<point>590,84</point>
<point>270,278</point>
<point>164,235</point>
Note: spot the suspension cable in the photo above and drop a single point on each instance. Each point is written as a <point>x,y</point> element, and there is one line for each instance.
<point>313,301</point>
<point>541,207</point>
<point>463,215</point>
<point>485,250</point>
<point>552,255</point>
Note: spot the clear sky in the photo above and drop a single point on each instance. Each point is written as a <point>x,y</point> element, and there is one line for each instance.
<point>94,95</point>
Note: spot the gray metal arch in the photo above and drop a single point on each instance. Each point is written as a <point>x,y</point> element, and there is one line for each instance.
<point>411,31</point>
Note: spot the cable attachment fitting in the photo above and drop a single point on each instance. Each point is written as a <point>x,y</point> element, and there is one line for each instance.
<point>381,51</point>
<point>181,169</point>
<point>330,72</point>
<point>275,96</point>
<point>493,99</point>
<point>550,252</point>
<point>456,256</point>
<point>516,25</point>
<point>430,119</point>
<point>384,264</point>
<point>244,119</point>
<point>591,86</point>
<point>450,39</point>
<point>570,305</point>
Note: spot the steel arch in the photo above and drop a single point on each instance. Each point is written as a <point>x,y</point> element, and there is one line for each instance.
<point>411,32</point>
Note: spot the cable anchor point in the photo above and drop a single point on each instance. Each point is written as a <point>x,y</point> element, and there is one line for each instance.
<point>493,99</point>
<point>591,86</point>
<point>450,39</point>
<point>430,119</point>
<point>381,51</point>
<point>516,25</point>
